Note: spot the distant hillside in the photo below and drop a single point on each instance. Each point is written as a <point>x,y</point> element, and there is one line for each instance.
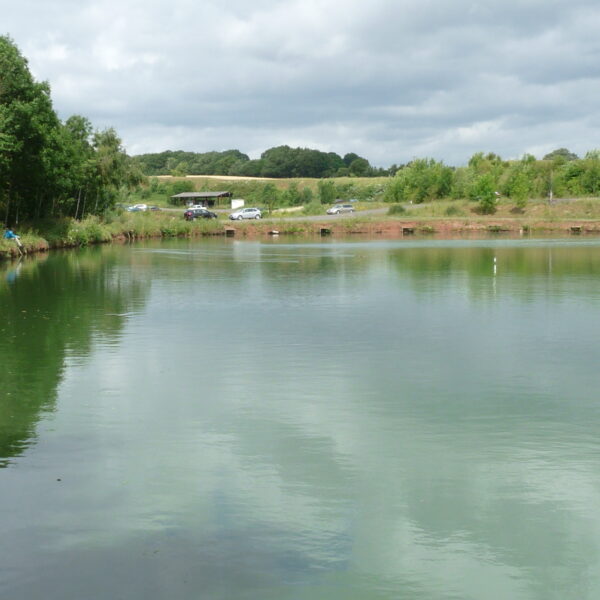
<point>278,162</point>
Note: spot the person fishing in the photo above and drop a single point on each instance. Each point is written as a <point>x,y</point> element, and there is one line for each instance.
<point>9,234</point>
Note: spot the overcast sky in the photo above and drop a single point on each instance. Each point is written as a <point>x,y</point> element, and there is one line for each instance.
<point>388,79</point>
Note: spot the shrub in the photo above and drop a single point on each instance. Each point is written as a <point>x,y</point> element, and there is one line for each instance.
<point>396,209</point>
<point>483,191</point>
<point>314,208</point>
<point>453,211</point>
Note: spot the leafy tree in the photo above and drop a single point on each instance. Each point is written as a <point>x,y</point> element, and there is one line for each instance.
<point>75,162</point>
<point>251,168</point>
<point>326,192</point>
<point>423,179</point>
<point>28,126</point>
<point>269,196</point>
<point>360,167</point>
<point>350,158</point>
<point>462,181</point>
<point>182,169</point>
<point>520,179</point>
<point>483,191</point>
<point>306,196</point>
<point>520,189</point>
<point>481,164</point>
<point>562,154</point>
<point>591,175</point>
<point>48,168</point>
<point>292,196</point>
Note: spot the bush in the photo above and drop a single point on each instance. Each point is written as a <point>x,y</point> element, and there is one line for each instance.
<point>396,209</point>
<point>484,192</point>
<point>453,211</point>
<point>314,208</point>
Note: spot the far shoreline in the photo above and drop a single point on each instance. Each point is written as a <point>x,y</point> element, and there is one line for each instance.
<point>81,234</point>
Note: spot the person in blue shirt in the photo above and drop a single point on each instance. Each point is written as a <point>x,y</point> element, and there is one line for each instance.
<point>9,234</point>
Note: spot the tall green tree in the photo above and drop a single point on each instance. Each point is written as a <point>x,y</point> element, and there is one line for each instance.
<point>269,196</point>
<point>28,126</point>
<point>326,192</point>
<point>562,154</point>
<point>48,168</point>
<point>423,179</point>
<point>483,191</point>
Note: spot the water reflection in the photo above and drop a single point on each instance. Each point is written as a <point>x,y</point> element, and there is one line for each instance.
<point>52,308</point>
<point>320,421</point>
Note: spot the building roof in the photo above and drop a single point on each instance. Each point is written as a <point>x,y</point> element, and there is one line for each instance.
<point>201,195</point>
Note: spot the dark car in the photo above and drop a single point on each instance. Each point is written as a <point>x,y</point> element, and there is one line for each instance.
<point>198,213</point>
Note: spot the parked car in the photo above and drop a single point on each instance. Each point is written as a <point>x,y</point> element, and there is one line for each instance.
<point>154,208</point>
<point>137,207</point>
<point>336,209</point>
<point>245,213</point>
<point>198,213</point>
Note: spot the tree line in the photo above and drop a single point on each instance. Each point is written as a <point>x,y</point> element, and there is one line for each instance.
<point>277,162</point>
<point>50,168</point>
<point>484,179</point>
<point>560,173</point>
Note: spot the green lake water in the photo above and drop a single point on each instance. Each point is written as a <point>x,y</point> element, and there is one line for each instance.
<point>351,420</point>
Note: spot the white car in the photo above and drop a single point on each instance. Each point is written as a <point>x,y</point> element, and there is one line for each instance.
<point>245,213</point>
<point>137,208</point>
<point>336,209</point>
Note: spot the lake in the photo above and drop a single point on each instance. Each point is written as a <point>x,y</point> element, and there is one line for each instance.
<point>350,419</point>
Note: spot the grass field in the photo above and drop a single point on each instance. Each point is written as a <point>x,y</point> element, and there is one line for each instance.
<point>369,190</point>
<point>558,210</point>
<point>218,181</point>
<point>251,188</point>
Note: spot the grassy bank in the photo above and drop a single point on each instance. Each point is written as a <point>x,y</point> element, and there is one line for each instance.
<point>442,218</point>
<point>69,233</point>
<point>560,209</point>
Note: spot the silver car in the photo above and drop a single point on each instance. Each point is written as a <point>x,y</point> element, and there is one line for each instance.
<point>245,213</point>
<point>336,209</point>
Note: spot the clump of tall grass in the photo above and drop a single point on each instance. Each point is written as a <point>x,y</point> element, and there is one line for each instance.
<point>396,209</point>
<point>32,242</point>
<point>7,248</point>
<point>88,231</point>
<point>454,211</point>
<point>313,208</point>
<point>176,228</point>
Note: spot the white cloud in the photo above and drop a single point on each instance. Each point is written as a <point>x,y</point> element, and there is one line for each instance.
<point>388,79</point>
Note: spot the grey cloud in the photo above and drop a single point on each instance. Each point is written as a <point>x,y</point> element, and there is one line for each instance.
<point>389,80</point>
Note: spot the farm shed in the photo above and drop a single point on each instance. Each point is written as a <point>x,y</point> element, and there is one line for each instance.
<point>204,198</point>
